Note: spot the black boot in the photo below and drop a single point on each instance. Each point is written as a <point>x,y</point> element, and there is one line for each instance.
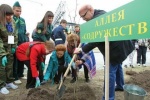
<point>118,89</point>
<point>73,80</point>
<point>87,80</point>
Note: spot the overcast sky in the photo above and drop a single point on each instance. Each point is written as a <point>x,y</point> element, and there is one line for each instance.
<point>34,10</point>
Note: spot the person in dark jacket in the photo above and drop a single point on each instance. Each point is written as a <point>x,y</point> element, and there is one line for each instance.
<point>44,28</point>
<point>141,51</point>
<point>28,37</point>
<point>119,50</point>
<point>58,33</point>
<point>18,67</point>
<point>77,30</point>
<point>20,23</point>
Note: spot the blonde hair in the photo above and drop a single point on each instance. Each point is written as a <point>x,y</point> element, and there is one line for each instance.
<point>49,45</point>
<point>72,37</point>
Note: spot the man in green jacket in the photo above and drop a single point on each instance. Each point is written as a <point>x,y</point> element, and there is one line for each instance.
<point>21,26</point>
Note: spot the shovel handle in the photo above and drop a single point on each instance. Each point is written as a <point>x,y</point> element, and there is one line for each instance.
<point>73,58</point>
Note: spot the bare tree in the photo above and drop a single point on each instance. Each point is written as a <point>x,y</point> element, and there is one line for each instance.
<point>75,12</point>
<point>69,14</point>
<point>35,2</point>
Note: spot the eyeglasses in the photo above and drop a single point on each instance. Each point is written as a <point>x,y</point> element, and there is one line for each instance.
<point>84,14</point>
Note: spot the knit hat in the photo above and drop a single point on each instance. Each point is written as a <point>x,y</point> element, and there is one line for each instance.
<point>16,4</point>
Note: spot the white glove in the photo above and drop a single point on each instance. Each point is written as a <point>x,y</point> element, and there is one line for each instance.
<point>136,46</point>
<point>146,44</point>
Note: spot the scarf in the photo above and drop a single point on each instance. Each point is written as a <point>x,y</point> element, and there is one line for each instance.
<point>9,27</point>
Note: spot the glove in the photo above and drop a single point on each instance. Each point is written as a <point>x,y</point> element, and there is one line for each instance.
<point>43,82</point>
<point>42,65</point>
<point>136,46</point>
<point>4,61</point>
<point>13,50</point>
<point>37,84</point>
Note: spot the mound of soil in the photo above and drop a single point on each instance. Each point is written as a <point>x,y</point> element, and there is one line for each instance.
<point>130,72</point>
<point>141,79</point>
<point>2,98</point>
<point>37,94</point>
<point>83,92</point>
<point>80,90</point>
<point>71,93</point>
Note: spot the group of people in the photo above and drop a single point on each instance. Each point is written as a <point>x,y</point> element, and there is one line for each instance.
<point>14,41</point>
<point>141,46</point>
<point>16,51</point>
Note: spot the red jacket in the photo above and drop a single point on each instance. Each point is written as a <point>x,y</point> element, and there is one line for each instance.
<point>36,55</point>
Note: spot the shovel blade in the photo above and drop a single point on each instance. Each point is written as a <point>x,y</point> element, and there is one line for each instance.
<point>60,92</point>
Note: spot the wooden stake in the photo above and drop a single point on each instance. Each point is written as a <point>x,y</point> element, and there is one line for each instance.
<point>69,66</point>
<point>106,68</point>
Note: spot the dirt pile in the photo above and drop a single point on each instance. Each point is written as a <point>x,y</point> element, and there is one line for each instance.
<point>83,92</point>
<point>131,72</point>
<point>141,79</point>
<point>2,98</point>
<point>39,94</point>
<point>80,90</point>
<point>71,93</point>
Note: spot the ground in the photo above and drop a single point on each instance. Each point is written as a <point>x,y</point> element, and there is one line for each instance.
<point>81,90</point>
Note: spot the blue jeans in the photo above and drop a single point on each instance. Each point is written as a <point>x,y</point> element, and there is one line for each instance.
<point>115,76</point>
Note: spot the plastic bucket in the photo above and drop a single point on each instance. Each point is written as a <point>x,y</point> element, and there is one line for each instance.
<point>134,92</point>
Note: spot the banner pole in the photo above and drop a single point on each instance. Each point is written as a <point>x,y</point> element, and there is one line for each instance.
<point>106,68</point>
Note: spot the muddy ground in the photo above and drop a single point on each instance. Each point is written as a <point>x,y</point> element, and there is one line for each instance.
<point>82,90</point>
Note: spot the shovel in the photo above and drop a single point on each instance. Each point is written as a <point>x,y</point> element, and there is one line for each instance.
<point>61,88</point>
